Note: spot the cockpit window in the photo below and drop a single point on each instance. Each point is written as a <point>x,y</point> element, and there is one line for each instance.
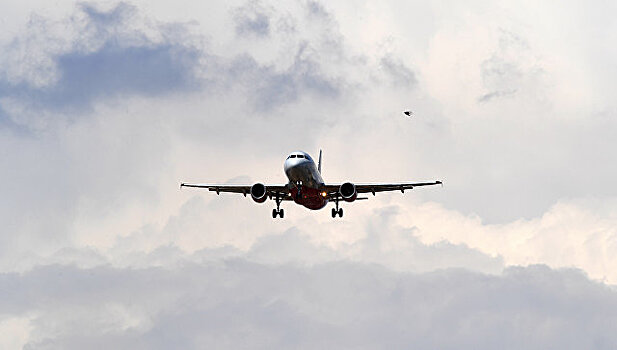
<point>292,156</point>
<point>300,156</point>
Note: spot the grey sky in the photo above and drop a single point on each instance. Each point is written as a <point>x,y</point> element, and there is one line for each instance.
<point>106,107</point>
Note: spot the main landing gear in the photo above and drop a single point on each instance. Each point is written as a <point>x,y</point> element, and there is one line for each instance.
<point>278,211</point>
<point>337,211</point>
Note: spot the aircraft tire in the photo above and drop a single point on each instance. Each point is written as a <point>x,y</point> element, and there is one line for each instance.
<point>340,212</point>
<point>334,213</point>
<point>282,213</point>
<point>274,213</point>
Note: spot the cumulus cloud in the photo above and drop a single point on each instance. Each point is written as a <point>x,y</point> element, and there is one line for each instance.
<point>102,54</point>
<point>235,303</point>
<point>118,53</point>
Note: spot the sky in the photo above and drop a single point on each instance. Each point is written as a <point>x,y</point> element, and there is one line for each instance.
<point>105,107</point>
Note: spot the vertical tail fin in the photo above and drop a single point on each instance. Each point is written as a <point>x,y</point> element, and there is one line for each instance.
<point>319,164</point>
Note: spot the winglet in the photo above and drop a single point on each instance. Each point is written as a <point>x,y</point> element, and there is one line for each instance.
<point>319,163</point>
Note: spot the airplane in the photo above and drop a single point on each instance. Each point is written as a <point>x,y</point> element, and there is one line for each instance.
<point>306,187</point>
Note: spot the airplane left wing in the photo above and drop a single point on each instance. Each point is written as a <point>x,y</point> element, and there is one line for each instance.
<point>333,190</point>
<point>373,188</point>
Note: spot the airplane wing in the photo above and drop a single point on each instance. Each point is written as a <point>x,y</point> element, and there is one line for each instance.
<point>333,189</point>
<point>271,190</point>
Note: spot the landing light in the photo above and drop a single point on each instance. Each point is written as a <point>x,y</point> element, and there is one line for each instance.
<point>323,194</point>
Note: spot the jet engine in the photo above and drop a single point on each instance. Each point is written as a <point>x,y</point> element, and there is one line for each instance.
<point>258,193</point>
<point>348,192</point>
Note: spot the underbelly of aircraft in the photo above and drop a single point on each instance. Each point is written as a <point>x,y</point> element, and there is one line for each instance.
<point>309,197</point>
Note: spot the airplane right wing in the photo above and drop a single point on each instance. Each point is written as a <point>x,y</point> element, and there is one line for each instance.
<point>270,190</point>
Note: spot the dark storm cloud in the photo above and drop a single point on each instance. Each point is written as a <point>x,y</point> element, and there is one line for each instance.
<point>111,59</point>
<point>234,303</point>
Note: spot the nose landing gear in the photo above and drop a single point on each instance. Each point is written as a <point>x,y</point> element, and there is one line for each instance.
<point>299,193</point>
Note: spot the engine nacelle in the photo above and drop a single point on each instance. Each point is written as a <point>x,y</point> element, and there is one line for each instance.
<point>258,193</point>
<point>348,192</point>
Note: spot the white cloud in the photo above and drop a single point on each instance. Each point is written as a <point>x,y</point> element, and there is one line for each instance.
<point>16,332</point>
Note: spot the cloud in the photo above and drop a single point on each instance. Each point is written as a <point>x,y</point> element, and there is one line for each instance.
<point>270,88</point>
<point>100,56</point>
<point>113,54</point>
<point>400,74</point>
<point>512,67</point>
<point>495,94</point>
<point>252,19</point>
<point>234,303</point>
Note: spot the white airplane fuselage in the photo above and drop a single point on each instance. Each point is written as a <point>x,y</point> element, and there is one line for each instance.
<point>305,181</point>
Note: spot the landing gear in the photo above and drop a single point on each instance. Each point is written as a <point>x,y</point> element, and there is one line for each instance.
<point>299,193</point>
<point>278,211</point>
<point>337,211</point>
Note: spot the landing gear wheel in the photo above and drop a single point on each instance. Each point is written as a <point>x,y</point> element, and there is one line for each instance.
<point>340,212</point>
<point>278,211</point>
<point>334,212</point>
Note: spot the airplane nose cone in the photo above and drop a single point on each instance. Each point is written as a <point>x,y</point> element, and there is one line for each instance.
<point>289,163</point>
<point>292,163</point>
